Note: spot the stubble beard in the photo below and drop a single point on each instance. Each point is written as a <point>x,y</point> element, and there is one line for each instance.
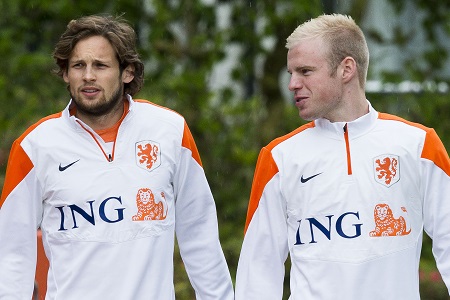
<point>102,107</point>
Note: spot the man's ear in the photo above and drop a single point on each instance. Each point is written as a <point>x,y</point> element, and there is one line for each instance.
<point>65,76</point>
<point>128,74</point>
<point>349,69</point>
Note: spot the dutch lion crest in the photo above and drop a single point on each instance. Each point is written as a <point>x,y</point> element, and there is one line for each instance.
<point>148,155</point>
<point>387,169</point>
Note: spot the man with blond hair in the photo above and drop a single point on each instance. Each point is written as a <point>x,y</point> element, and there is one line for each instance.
<point>348,194</point>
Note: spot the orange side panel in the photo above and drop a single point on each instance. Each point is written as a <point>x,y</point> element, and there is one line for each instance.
<point>41,270</point>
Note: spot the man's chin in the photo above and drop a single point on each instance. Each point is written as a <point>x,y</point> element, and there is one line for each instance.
<point>92,109</point>
<point>305,116</point>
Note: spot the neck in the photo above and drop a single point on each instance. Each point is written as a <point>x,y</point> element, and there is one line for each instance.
<point>353,106</point>
<point>358,108</point>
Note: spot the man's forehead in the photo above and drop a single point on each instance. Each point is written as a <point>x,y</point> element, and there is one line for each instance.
<point>308,48</point>
<point>95,47</point>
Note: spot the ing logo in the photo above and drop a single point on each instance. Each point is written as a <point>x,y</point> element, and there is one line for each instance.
<point>148,155</point>
<point>386,224</point>
<point>387,169</point>
<point>148,207</point>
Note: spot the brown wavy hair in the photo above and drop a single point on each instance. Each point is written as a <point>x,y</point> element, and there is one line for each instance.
<point>116,30</point>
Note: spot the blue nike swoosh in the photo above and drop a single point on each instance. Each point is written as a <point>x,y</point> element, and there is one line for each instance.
<point>303,180</point>
<point>63,168</point>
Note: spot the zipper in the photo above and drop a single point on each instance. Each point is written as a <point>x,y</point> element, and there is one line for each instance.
<point>347,149</point>
<point>109,157</point>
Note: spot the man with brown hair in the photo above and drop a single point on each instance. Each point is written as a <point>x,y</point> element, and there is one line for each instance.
<point>77,174</point>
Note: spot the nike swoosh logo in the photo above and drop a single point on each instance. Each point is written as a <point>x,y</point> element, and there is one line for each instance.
<point>63,168</point>
<point>303,180</point>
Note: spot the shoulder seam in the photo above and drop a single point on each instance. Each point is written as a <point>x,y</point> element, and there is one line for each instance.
<point>157,105</point>
<point>33,126</point>
<point>389,117</point>
<point>285,137</point>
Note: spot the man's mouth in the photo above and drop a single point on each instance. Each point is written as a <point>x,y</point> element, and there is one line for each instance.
<point>298,99</point>
<point>90,91</point>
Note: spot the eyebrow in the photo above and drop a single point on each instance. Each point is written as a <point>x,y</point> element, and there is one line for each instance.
<point>303,67</point>
<point>96,61</point>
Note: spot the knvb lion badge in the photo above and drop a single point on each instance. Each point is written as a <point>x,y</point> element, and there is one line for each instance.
<point>387,169</point>
<point>148,155</point>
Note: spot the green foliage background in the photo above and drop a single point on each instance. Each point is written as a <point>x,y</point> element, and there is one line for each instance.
<point>181,42</point>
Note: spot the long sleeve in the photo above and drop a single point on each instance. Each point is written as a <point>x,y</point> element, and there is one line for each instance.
<point>264,249</point>
<point>19,217</point>
<point>436,175</point>
<point>197,228</point>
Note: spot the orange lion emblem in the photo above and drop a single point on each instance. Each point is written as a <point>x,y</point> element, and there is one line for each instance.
<point>148,209</point>
<point>386,224</point>
<point>148,154</point>
<point>387,168</point>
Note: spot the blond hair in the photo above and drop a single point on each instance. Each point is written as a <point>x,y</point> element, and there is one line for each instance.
<point>344,37</point>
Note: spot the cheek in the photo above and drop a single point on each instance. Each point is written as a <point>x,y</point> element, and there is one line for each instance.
<point>328,90</point>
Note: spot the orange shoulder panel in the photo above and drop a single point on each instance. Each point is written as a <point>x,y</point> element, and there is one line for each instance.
<point>433,149</point>
<point>265,169</point>
<point>189,143</point>
<point>19,164</point>
<point>157,105</point>
<point>385,116</point>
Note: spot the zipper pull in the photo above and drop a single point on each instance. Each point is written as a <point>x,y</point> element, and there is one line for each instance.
<point>109,158</point>
<point>345,128</point>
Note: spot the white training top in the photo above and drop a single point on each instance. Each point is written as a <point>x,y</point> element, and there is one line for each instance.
<point>108,225</point>
<point>348,202</point>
